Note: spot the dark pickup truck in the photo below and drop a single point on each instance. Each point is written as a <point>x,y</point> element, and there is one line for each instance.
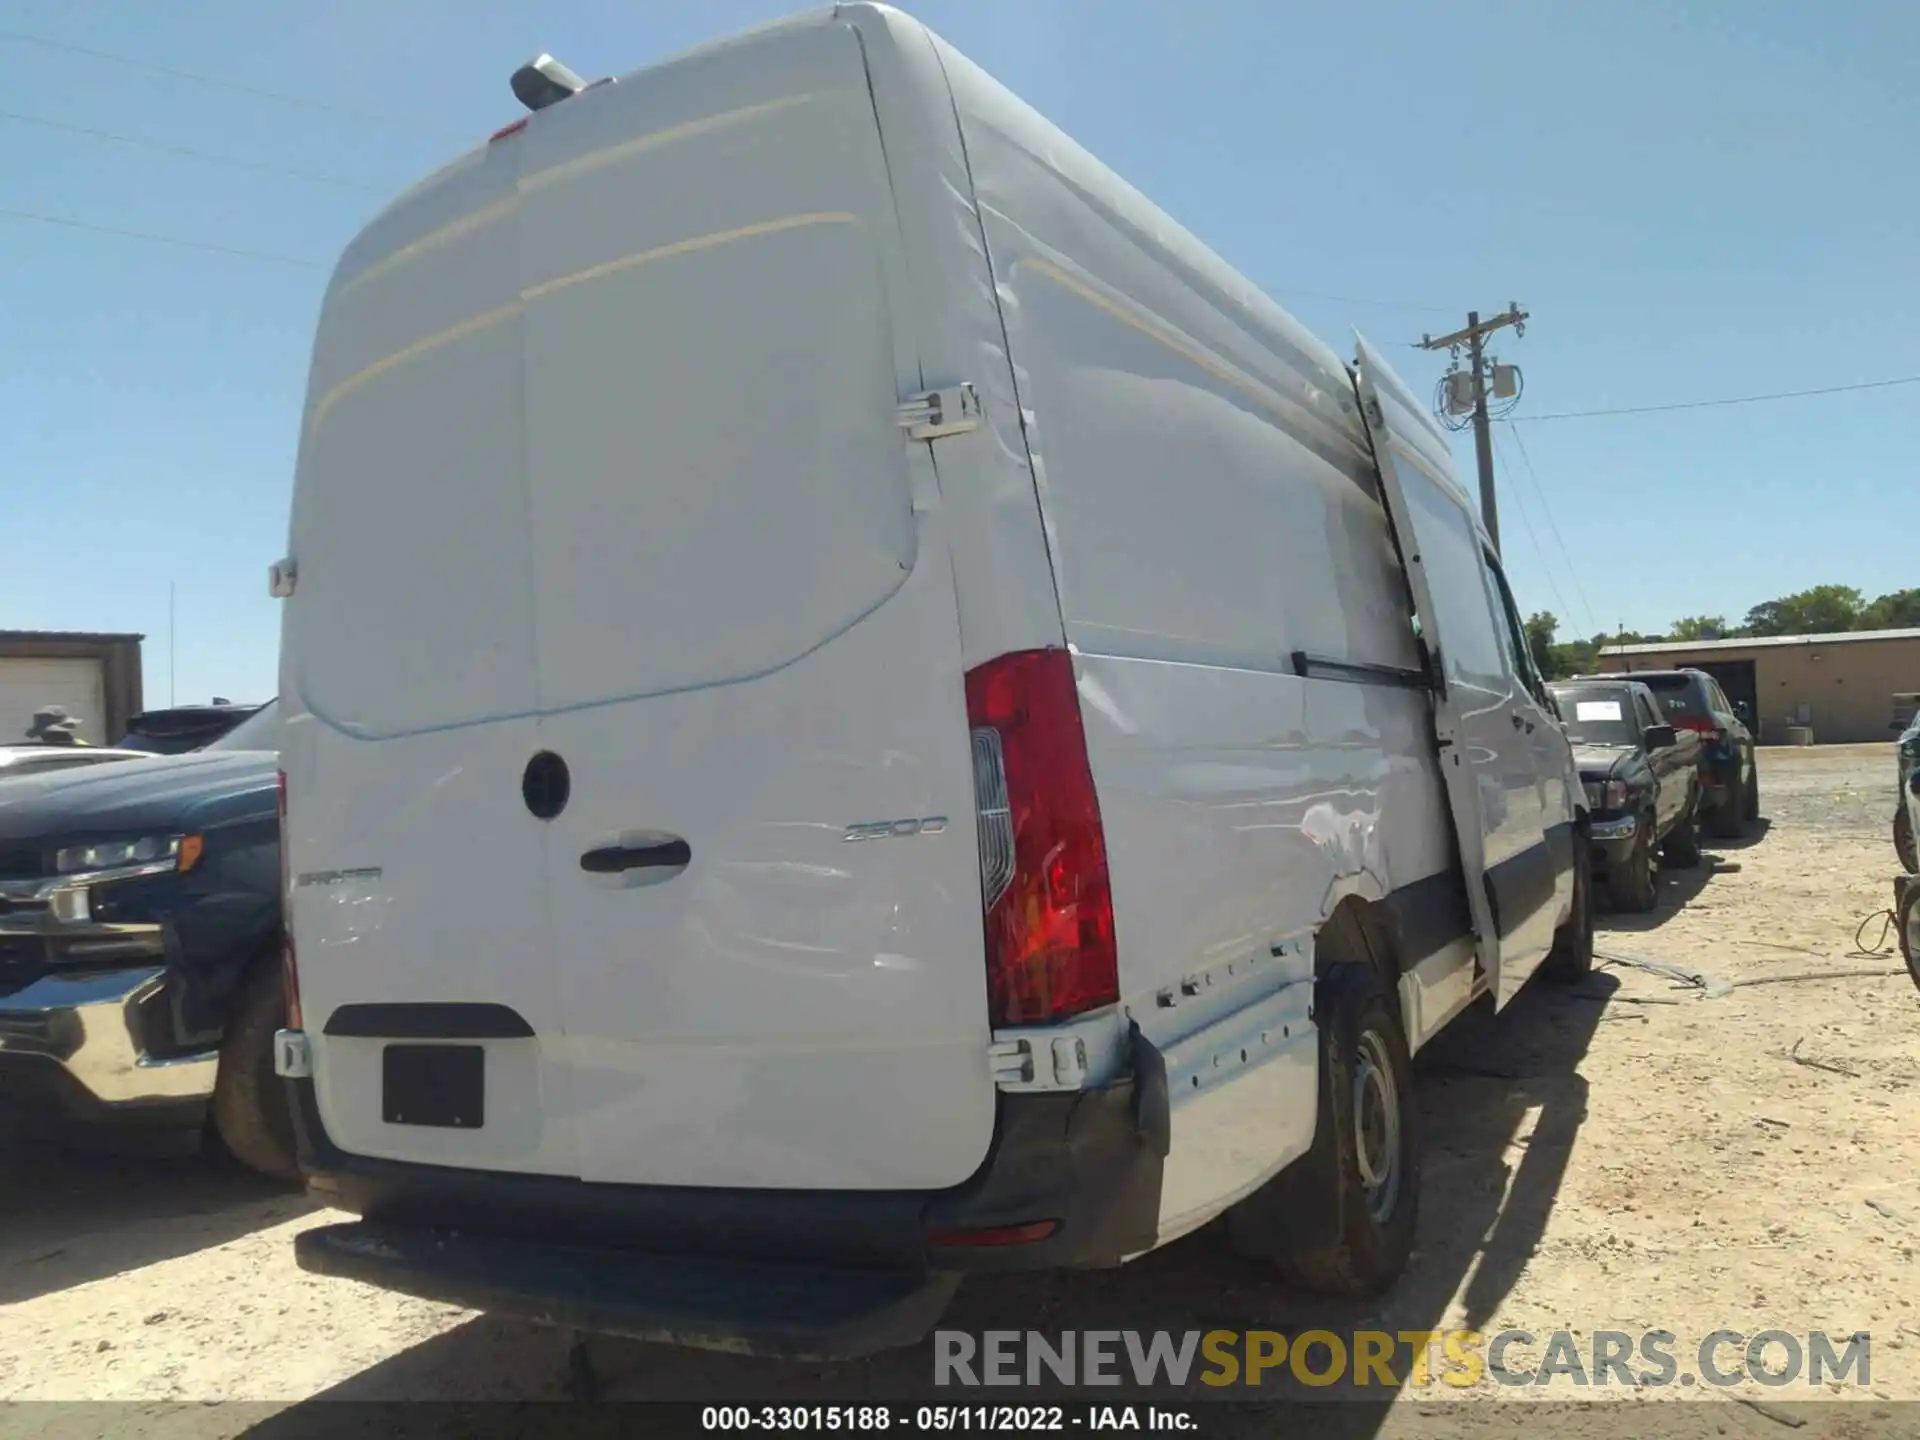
<point>140,971</point>
<point>1642,780</point>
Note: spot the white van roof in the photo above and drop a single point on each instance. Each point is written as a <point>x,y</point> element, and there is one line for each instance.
<point>405,228</point>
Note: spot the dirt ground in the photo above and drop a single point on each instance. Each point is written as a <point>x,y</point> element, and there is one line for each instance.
<point>1631,1155</point>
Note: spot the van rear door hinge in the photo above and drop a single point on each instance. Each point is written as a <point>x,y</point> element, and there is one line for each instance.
<point>933,414</point>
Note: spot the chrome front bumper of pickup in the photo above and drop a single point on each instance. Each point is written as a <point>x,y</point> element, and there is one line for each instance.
<point>88,1025</point>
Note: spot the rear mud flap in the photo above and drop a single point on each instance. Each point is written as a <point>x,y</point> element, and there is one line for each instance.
<point>1092,1160</point>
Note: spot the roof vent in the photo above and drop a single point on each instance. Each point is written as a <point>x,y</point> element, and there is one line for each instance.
<point>545,81</point>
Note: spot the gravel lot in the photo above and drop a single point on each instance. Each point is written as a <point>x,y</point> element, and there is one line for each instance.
<point>1627,1156</point>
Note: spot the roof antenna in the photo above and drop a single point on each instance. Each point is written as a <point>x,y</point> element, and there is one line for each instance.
<point>545,81</point>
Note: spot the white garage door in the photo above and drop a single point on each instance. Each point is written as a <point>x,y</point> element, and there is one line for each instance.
<point>30,685</point>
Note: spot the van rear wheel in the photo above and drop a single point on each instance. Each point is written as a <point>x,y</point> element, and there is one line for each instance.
<point>1340,1220</point>
<point>1903,843</point>
<point>250,1115</point>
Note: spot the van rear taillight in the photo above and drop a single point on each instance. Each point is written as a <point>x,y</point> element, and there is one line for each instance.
<point>1043,857</point>
<point>289,973</point>
<point>1699,724</point>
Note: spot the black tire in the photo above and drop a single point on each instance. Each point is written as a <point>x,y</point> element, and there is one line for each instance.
<point>1571,959</point>
<point>1634,884</point>
<point>1909,926</point>
<point>1750,796</point>
<point>1340,1220</point>
<point>1903,844</point>
<point>249,1112</point>
<point>1682,850</point>
<point>1724,821</point>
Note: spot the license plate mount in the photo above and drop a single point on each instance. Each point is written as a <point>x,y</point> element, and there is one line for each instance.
<point>440,1086</point>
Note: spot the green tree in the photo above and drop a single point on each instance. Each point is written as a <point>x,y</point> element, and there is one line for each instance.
<point>1541,627</point>
<point>1819,611</point>
<point>1575,657</point>
<point>1554,658</point>
<point>1700,627</point>
<point>1899,610</point>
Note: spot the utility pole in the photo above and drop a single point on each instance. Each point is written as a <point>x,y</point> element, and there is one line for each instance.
<point>1474,393</point>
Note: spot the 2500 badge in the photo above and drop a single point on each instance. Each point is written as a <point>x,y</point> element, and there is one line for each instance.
<point>895,829</point>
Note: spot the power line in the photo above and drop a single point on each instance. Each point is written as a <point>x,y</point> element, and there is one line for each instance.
<point>1573,574</point>
<point>1545,568</point>
<point>184,150</point>
<point>1733,400</point>
<point>67,224</point>
<point>215,81</point>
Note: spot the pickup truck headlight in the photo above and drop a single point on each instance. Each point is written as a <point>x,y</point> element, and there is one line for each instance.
<point>1607,794</point>
<point>160,852</point>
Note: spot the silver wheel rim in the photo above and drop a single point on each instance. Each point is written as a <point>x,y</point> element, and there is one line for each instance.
<point>1376,1125</point>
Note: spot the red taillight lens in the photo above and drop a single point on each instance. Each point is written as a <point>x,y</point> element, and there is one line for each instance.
<point>289,973</point>
<point>1043,858</point>
<point>1699,724</point>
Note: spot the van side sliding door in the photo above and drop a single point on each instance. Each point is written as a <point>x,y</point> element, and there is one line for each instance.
<point>1485,756</point>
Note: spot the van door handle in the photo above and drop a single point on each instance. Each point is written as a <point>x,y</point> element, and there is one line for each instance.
<point>614,859</point>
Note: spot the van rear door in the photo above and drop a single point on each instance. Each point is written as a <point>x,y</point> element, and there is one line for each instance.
<point>410,690</point>
<point>765,899</point>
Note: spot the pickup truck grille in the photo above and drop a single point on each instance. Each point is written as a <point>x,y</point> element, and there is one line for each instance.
<point>23,959</point>
<point>20,864</point>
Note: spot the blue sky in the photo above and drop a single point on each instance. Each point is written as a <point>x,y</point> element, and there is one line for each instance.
<point>1694,201</point>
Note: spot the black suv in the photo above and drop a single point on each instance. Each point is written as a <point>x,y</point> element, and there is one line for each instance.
<point>184,728</point>
<point>1729,779</point>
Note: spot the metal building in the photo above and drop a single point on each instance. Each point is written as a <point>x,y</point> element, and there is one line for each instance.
<point>1851,687</point>
<point>95,678</point>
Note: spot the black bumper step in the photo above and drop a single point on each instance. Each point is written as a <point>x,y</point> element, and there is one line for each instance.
<point>795,1312</point>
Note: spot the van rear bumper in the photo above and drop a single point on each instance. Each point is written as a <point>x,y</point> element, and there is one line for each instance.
<point>543,1246</point>
<point>794,1312</point>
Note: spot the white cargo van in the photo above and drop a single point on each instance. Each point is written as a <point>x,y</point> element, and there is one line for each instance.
<point>861,708</point>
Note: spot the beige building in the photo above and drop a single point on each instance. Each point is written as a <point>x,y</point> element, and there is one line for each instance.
<point>1852,687</point>
<point>94,678</point>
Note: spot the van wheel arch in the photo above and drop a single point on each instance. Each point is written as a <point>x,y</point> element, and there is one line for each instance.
<point>1356,933</point>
